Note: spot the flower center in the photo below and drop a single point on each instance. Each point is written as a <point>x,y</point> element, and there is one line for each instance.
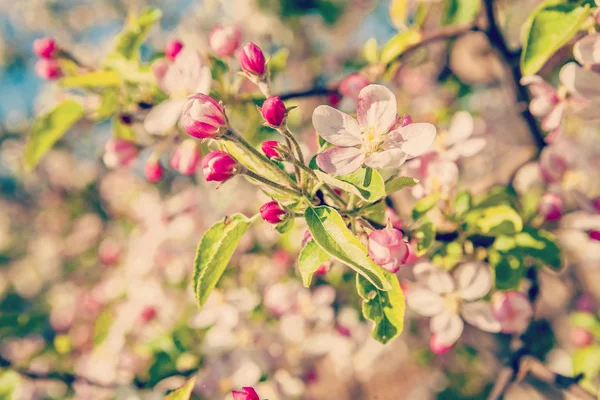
<point>372,140</point>
<point>452,302</point>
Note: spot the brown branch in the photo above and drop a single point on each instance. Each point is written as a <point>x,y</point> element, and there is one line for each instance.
<point>444,33</point>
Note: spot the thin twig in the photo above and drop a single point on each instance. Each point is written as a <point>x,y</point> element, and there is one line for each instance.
<point>444,33</point>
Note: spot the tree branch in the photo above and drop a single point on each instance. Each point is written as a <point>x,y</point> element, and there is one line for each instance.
<point>444,33</point>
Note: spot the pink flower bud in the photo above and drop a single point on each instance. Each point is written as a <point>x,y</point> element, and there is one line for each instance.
<point>172,48</point>
<point>48,69</point>
<point>202,117</point>
<point>581,337</point>
<point>351,85</point>
<point>594,235</point>
<point>334,99</point>
<point>550,206</point>
<point>307,237</point>
<point>585,303</point>
<point>273,110</point>
<point>219,166</point>
<point>186,158</point>
<point>119,152</point>
<point>224,40</point>
<point>44,47</point>
<point>388,249</point>
<point>109,252</point>
<point>269,147</point>
<point>153,171</point>
<point>513,310</point>
<point>438,348</point>
<point>322,270</point>
<point>552,165</point>
<point>247,393</point>
<point>148,314</point>
<point>252,59</point>
<point>272,212</point>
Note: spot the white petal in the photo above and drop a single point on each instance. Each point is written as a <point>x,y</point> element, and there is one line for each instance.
<point>424,301</point>
<point>590,110</point>
<point>474,280</point>
<point>554,118</point>
<point>447,327</point>
<point>336,127</point>
<point>461,128</point>
<point>587,49</point>
<point>436,279</point>
<point>538,87</point>
<point>204,81</point>
<point>580,220</point>
<point>584,202</point>
<point>340,160</point>
<point>392,158</point>
<point>479,314</point>
<point>466,149</point>
<point>164,116</point>
<point>376,108</point>
<point>580,81</point>
<point>417,138</point>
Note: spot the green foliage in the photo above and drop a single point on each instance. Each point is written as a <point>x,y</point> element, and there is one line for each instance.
<point>460,11</point>
<point>400,182</point>
<point>102,327</point>
<point>331,234</point>
<point>9,383</point>
<point>93,79</point>
<point>425,235</point>
<point>549,28</point>
<point>531,242</point>
<point>370,51</point>
<point>462,202</point>
<point>49,128</point>
<point>284,226</point>
<point>249,161</point>
<point>398,44</point>
<point>587,321</point>
<point>366,183</point>
<point>128,42</point>
<point>310,259</point>
<point>122,131</point>
<point>494,220</point>
<point>214,252</point>
<point>447,255</point>
<point>184,392</point>
<point>109,104</point>
<point>385,309</point>
<point>508,269</point>
<point>423,206</point>
<point>278,62</point>
<point>587,361</point>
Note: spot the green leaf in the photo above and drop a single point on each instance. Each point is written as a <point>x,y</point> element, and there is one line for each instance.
<point>92,79</point>
<point>532,242</point>
<point>285,226</point>
<point>448,255</point>
<point>462,202</point>
<point>366,183</point>
<point>122,131</point>
<point>370,51</point>
<point>108,105</point>
<point>400,182</point>
<point>495,220</point>
<point>375,212</point>
<point>425,235</point>
<point>548,29</point>
<point>102,326</point>
<point>184,392</point>
<point>128,42</point>
<point>310,259</point>
<point>249,161</point>
<point>398,11</point>
<point>385,309</point>
<point>48,129</point>
<point>496,196</point>
<point>423,206</point>
<point>587,361</point>
<point>214,252</point>
<point>331,234</point>
<point>278,61</point>
<point>587,321</point>
<point>460,11</point>
<point>509,270</point>
<point>398,44</point>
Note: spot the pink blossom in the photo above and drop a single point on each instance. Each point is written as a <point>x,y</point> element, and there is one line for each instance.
<point>513,310</point>
<point>553,165</point>
<point>272,212</point>
<point>438,347</point>
<point>247,393</point>
<point>388,249</point>
<point>392,216</point>
<point>148,313</point>
<point>119,152</point>
<point>224,40</point>
<point>153,171</point>
<point>581,337</point>
<point>252,59</point>
<point>370,140</point>
<point>45,47</point>
<point>202,117</point>
<point>109,251</point>
<point>186,158</point>
<point>172,49</point>
<point>269,147</point>
<point>273,111</point>
<point>352,84</point>
<point>219,166</point>
<point>550,206</point>
<point>48,69</point>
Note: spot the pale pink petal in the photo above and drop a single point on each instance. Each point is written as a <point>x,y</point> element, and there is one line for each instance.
<point>587,49</point>
<point>467,148</point>
<point>442,175</point>
<point>461,128</point>
<point>479,314</point>
<point>580,81</point>
<point>584,202</point>
<point>204,81</point>
<point>424,301</point>
<point>340,160</point>
<point>581,220</point>
<point>437,279</point>
<point>474,280</point>
<point>553,119</point>
<point>541,105</point>
<point>414,139</point>
<point>392,158</point>
<point>376,108</point>
<point>590,110</point>
<point>336,127</point>
<point>538,87</point>
<point>447,328</point>
<point>164,116</point>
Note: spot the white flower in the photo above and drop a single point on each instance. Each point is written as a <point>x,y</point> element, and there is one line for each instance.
<point>447,298</point>
<point>187,75</point>
<point>458,140</point>
<point>374,140</point>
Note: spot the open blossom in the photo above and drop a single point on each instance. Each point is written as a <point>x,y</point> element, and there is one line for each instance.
<point>513,310</point>
<point>458,141</point>
<point>435,174</point>
<point>119,152</point>
<point>186,75</point>
<point>247,393</point>
<point>369,140</point>
<point>202,117</point>
<point>388,249</point>
<point>553,164</point>
<point>446,298</point>
<point>186,157</point>
<point>574,236</point>
<point>550,206</point>
<point>224,40</point>
<point>545,104</point>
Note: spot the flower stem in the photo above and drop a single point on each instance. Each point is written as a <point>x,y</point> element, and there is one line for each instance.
<point>272,184</point>
<point>284,130</point>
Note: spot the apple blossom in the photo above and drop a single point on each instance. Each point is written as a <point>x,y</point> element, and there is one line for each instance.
<point>186,75</point>
<point>119,152</point>
<point>393,218</point>
<point>273,111</point>
<point>553,165</point>
<point>586,303</point>
<point>203,117</point>
<point>574,236</point>
<point>458,141</point>
<point>550,206</point>
<point>247,393</point>
<point>109,251</point>
<point>172,49</point>
<point>219,166</point>
<point>186,157</point>
<point>224,40</point>
<point>369,141</point>
<point>388,249</point>
<point>45,47</point>
<point>48,69</point>
<point>581,337</point>
<point>153,171</point>
<point>148,313</point>
<point>446,298</point>
<point>272,212</point>
<point>438,347</point>
<point>594,234</point>
<point>513,310</point>
<point>252,60</point>
<point>546,104</point>
<point>435,174</point>
<point>352,84</point>
<point>270,148</point>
